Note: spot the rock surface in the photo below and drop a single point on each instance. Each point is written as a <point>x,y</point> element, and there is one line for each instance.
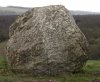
<point>46,40</point>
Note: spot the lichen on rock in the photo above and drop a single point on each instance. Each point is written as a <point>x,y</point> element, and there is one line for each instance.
<point>46,40</point>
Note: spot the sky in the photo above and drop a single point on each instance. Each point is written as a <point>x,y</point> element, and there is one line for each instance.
<point>84,5</point>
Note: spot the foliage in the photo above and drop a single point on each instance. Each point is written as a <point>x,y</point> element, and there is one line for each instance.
<point>90,26</point>
<point>3,48</point>
<point>5,22</point>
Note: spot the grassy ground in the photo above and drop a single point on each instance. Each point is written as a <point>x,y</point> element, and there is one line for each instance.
<point>90,73</point>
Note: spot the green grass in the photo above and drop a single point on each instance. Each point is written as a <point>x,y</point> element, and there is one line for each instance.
<point>92,66</point>
<point>2,62</point>
<point>91,71</point>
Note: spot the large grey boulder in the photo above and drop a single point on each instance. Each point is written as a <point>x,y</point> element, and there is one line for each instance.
<point>46,40</point>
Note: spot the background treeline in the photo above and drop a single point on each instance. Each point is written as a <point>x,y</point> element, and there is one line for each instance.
<point>89,24</point>
<point>5,22</point>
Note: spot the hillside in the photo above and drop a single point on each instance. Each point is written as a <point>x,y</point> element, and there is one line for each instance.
<point>11,10</point>
<point>77,12</point>
<point>16,10</point>
<point>90,25</point>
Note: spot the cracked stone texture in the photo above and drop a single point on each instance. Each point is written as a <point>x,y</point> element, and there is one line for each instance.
<point>46,40</point>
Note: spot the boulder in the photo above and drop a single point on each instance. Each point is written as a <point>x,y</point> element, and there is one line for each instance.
<point>46,40</point>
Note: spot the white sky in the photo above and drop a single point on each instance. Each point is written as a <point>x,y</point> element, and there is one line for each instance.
<point>86,5</point>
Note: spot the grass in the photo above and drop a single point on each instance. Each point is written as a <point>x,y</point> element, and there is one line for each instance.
<point>91,71</point>
<point>2,62</point>
<point>92,66</point>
